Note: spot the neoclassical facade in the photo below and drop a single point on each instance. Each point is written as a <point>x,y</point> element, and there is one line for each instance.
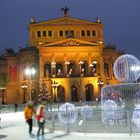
<point>68,53</point>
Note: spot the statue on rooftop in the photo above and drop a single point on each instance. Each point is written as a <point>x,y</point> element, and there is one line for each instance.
<point>65,10</point>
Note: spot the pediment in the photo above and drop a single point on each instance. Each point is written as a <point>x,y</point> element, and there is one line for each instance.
<point>65,21</point>
<point>71,42</point>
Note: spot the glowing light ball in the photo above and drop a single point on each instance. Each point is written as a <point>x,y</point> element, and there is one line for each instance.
<point>110,106</point>
<point>136,116</point>
<point>67,113</point>
<point>127,68</point>
<point>86,111</point>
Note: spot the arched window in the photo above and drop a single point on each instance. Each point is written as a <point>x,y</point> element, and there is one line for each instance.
<point>47,70</point>
<point>33,76</point>
<point>71,68</point>
<point>24,74</point>
<point>83,67</point>
<point>106,70</point>
<point>13,73</point>
<point>59,69</point>
<point>89,92</point>
<point>94,67</point>
<point>60,93</point>
<point>74,94</point>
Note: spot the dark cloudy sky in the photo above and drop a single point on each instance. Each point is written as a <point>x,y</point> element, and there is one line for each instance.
<point>121,19</point>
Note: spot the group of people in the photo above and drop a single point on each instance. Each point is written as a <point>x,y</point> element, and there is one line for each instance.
<point>29,111</point>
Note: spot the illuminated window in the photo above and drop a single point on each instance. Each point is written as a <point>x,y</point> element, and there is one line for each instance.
<point>24,74</point>
<point>33,76</point>
<point>49,33</point>
<point>38,34</point>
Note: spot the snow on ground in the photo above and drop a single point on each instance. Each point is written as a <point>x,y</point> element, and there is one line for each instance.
<point>14,127</point>
<point>12,116</point>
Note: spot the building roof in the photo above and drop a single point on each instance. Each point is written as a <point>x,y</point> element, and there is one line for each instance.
<point>65,21</point>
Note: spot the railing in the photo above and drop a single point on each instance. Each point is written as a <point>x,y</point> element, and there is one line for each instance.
<point>50,106</point>
<point>96,124</point>
<point>11,108</point>
<point>121,121</point>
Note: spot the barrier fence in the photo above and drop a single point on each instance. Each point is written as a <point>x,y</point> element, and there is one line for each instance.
<point>97,123</point>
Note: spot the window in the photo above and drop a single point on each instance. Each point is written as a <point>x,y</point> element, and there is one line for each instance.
<point>66,33</point>
<point>33,76</point>
<point>83,33</point>
<point>106,70</point>
<point>60,33</point>
<point>44,33</point>
<point>93,33</point>
<point>72,33</point>
<point>88,33</point>
<point>38,34</point>
<point>49,33</point>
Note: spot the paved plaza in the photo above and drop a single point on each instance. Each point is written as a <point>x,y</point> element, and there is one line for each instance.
<point>13,127</point>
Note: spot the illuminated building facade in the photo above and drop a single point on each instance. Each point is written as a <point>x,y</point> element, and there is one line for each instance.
<point>68,53</point>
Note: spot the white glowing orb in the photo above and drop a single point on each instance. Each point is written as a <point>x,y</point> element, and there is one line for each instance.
<point>86,111</point>
<point>67,113</point>
<point>109,105</point>
<point>109,108</point>
<point>127,68</point>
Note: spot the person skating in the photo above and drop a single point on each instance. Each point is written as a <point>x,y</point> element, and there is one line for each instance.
<point>41,118</point>
<point>29,111</point>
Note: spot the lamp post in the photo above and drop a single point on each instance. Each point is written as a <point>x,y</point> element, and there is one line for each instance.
<point>100,83</point>
<point>53,65</point>
<point>67,73</point>
<point>24,87</point>
<point>54,86</point>
<point>3,88</point>
<point>29,73</point>
<point>81,68</point>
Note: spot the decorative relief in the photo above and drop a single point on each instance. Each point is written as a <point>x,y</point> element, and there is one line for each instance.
<point>72,42</point>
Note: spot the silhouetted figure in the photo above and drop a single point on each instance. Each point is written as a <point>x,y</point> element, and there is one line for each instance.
<point>65,9</point>
<point>16,107</point>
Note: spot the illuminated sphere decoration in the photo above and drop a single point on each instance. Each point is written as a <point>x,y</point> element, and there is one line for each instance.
<point>109,105</point>
<point>136,116</point>
<point>127,68</point>
<point>109,108</point>
<point>86,111</point>
<point>67,113</point>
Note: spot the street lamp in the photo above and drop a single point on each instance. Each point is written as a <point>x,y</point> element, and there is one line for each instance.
<point>53,65</point>
<point>24,87</point>
<point>54,86</point>
<point>100,83</point>
<point>81,68</point>
<point>3,88</point>
<point>29,73</point>
<point>67,63</point>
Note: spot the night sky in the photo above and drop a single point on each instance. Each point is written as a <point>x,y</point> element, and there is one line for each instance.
<point>121,19</point>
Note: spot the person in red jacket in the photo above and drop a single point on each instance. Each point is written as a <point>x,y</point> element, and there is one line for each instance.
<point>41,117</point>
